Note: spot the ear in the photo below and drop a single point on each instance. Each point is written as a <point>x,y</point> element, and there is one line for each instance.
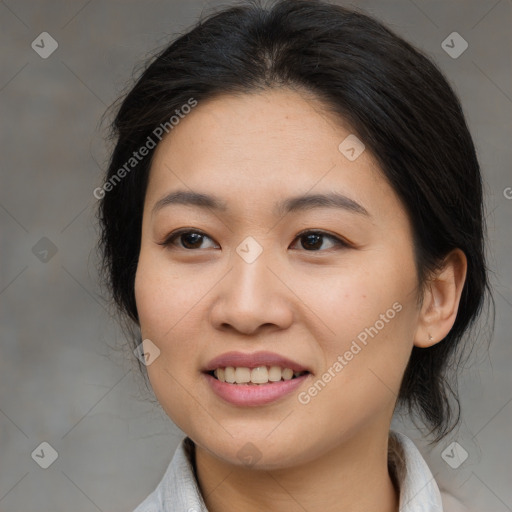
<point>441,299</point>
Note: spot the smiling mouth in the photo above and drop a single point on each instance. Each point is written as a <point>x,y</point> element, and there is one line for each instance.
<point>254,376</point>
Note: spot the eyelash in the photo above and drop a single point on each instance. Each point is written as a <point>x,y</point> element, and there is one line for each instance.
<point>169,240</point>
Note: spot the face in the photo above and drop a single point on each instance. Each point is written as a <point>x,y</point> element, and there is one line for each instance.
<point>326,287</point>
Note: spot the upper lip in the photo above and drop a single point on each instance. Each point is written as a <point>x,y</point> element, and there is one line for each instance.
<point>241,359</point>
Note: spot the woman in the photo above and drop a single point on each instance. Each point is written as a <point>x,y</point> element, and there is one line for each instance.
<point>292,216</point>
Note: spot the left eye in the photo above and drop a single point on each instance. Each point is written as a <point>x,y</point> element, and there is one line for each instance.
<point>314,239</point>
<point>311,240</point>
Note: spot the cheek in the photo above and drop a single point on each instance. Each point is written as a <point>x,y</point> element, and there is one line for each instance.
<point>158,296</point>
<point>363,367</point>
<point>169,311</point>
<point>151,299</point>
<point>163,320</point>
<point>348,300</point>
<point>158,306</point>
<point>371,314</point>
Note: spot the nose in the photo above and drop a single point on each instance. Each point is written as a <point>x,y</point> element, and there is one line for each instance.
<point>252,297</point>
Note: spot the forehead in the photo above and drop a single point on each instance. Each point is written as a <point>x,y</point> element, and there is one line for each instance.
<point>276,143</point>
<point>256,124</point>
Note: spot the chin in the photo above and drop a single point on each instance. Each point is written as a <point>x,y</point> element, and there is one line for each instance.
<point>257,452</point>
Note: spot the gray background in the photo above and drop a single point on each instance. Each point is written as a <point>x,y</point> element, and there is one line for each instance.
<point>65,376</point>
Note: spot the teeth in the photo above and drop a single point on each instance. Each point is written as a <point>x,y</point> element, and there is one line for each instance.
<point>259,375</point>
<point>242,375</point>
<point>274,374</point>
<point>229,374</point>
<point>287,374</point>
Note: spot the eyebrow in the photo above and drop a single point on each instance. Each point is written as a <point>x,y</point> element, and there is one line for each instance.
<point>291,204</point>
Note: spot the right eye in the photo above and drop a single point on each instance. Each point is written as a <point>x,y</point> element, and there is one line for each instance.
<point>190,239</point>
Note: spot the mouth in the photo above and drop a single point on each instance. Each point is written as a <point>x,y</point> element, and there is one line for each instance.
<point>258,376</point>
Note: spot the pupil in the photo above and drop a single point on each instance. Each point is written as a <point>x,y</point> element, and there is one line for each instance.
<point>311,237</point>
<point>195,236</point>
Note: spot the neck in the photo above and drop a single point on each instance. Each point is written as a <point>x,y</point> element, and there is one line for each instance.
<point>352,476</point>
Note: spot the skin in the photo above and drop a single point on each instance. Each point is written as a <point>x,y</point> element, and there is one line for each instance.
<point>306,303</point>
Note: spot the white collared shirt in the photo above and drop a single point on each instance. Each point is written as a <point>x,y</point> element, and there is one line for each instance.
<point>178,491</point>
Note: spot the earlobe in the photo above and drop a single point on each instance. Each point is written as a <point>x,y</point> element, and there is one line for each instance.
<point>441,300</point>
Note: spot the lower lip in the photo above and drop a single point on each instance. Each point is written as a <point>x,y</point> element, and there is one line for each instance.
<point>254,394</point>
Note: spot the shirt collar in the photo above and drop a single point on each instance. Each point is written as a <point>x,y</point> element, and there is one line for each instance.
<point>178,491</point>
<point>418,489</point>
